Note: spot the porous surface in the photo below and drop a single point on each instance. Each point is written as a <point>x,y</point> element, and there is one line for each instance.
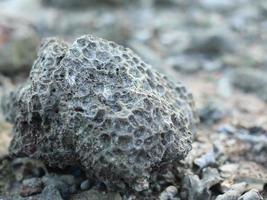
<point>97,105</point>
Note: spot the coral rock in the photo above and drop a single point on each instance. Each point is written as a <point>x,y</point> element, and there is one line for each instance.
<point>97,105</point>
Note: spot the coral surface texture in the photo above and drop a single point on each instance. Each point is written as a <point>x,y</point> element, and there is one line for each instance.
<point>97,105</point>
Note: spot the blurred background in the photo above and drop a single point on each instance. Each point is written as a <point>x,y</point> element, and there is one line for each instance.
<point>185,35</point>
<point>217,47</point>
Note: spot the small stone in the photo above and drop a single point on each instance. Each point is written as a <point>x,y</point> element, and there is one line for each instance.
<point>27,168</point>
<point>211,44</point>
<point>6,175</point>
<point>50,192</point>
<point>184,64</point>
<point>31,186</point>
<point>218,5</point>
<point>68,179</point>
<point>18,43</point>
<point>169,193</point>
<point>211,114</point>
<point>5,136</point>
<point>85,185</point>
<point>251,81</point>
<point>252,173</point>
<point>233,193</point>
<point>196,188</point>
<point>70,4</point>
<point>100,186</point>
<point>65,184</point>
<point>251,195</point>
<point>141,184</point>
<point>96,195</point>
<point>209,158</point>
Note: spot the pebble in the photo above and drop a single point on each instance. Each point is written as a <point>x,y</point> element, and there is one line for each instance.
<point>96,195</point>
<point>211,114</point>
<point>184,64</point>
<point>31,186</point>
<point>235,192</point>
<point>251,195</point>
<point>27,168</point>
<point>196,188</point>
<point>211,44</point>
<point>169,193</point>
<point>50,192</point>
<point>72,4</point>
<point>85,185</point>
<point>18,43</point>
<point>251,81</point>
<point>65,184</point>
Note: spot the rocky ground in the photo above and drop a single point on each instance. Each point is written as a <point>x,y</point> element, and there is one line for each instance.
<point>218,48</point>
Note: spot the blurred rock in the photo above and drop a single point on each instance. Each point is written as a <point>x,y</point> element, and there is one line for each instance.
<point>169,193</point>
<point>50,192</point>
<point>6,176</point>
<point>198,189</point>
<point>5,137</point>
<point>65,184</point>
<point>4,83</point>
<point>232,194</point>
<point>149,55</point>
<point>86,3</point>
<point>85,185</point>
<point>111,25</point>
<point>211,113</point>
<point>208,159</point>
<point>219,5</point>
<point>79,3</point>
<point>254,175</point>
<point>251,81</point>
<point>245,143</point>
<point>224,87</point>
<point>172,2</point>
<point>251,195</point>
<point>24,168</point>
<point>184,64</point>
<point>18,43</point>
<point>211,44</point>
<point>31,186</point>
<point>96,195</point>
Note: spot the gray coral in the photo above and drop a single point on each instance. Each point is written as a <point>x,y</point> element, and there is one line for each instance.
<point>97,105</point>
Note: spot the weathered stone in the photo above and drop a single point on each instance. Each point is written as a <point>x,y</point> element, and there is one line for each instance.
<point>98,105</point>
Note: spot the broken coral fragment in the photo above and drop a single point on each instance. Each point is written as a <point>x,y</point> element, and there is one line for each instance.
<point>97,105</point>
